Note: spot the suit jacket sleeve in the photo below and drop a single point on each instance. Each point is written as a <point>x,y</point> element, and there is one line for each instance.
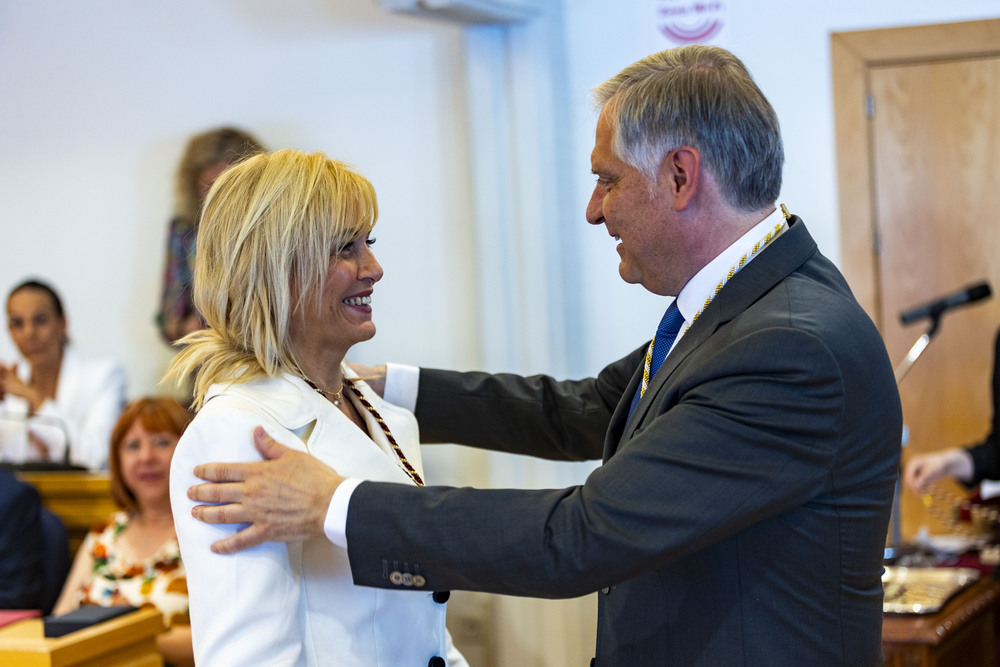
<point>533,415</point>
<point>986,455</point>
<point>747,434</point>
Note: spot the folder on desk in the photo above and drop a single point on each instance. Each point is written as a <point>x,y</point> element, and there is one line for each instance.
<point>84,617</point>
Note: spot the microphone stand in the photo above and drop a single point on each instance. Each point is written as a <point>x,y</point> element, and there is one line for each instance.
<point>896,547</point>
<point>918,348</point>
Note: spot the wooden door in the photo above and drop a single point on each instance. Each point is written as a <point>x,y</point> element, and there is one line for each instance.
<point>920,215</point>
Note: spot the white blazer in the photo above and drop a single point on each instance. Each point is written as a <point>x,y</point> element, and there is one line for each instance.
<point>296,603</point>
<point>89,399</point>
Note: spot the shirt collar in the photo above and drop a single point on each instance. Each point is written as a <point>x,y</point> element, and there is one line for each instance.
<point>702,285</point>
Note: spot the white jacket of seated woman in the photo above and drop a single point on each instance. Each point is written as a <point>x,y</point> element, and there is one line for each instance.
<point>89,398</point>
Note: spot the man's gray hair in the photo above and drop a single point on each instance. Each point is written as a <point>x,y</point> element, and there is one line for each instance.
<point>703,97</point>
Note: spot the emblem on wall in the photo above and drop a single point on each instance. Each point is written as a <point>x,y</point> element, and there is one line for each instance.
<point>689,22</point>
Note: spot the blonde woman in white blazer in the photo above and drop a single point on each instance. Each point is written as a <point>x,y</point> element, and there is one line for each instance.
<point>284,277</point>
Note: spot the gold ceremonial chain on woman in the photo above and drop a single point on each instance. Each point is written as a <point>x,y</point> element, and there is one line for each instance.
<point>404,464</point>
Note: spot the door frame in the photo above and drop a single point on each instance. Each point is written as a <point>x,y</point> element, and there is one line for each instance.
<point>853,54</point>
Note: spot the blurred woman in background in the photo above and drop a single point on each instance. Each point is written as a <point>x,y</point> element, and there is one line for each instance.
<point>133,558</point>
<point>206,156</point>
<point>56,405</point>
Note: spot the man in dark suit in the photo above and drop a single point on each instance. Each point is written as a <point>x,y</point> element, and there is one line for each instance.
<point>740,515</point>
<point>20,544</point>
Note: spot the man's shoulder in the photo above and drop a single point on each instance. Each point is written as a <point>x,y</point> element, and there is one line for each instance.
<point>17,494</point>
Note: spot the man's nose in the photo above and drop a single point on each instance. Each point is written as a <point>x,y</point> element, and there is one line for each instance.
<point>595,209</point>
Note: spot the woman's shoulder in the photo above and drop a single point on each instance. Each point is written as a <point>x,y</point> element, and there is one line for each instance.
<point>224,425</point>
<point>98,370</point>
<point>114,524</point>
<point>285,399</point>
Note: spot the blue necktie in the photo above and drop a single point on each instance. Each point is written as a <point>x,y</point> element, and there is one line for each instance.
<point>666,334</point>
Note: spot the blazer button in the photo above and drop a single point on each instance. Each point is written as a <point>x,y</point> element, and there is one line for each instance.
<point>441,596</point>
<point>419,581</point>
<point>436,661</point>
<point>396,577</point>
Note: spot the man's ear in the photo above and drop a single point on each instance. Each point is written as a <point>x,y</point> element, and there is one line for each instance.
<point>679,175</point>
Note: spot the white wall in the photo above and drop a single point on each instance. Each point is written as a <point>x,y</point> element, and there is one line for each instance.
<point>96,100</point>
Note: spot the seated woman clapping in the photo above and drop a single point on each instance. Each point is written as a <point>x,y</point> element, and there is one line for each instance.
<point>56,405</point>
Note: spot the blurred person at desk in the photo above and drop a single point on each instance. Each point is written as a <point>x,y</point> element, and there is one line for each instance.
<point>205,157</point>
<point>284,278</point>
<point>21,544</point>
<point>133,558</point>
<point>56,407</point>
<point>969,465</point>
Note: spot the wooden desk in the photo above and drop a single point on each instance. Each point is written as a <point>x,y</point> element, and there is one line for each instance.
<point>962,634</point>
<point>128,640</point>
<point>81,499</point>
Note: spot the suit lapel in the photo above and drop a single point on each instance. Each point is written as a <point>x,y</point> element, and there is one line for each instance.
<point>785,254</point>
<point>617,424</point>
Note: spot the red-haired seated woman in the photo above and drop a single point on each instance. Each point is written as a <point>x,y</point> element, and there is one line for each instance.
<point>133,557</point>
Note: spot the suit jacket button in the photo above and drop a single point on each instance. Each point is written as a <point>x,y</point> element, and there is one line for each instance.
<point>441,596</point>
<point>396,577</point>
<point>419,581</point>
<point>436,661</point>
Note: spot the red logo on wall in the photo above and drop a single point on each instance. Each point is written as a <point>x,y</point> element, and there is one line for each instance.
<point>686,22</point>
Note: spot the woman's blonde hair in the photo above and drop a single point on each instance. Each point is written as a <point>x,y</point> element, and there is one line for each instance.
<point>270,227</point>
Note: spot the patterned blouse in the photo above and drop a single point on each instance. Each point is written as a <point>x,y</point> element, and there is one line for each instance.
<point>159,581</point>
<point>177,300</point>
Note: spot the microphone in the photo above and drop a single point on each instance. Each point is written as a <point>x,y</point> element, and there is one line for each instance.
<point>933,309</point>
